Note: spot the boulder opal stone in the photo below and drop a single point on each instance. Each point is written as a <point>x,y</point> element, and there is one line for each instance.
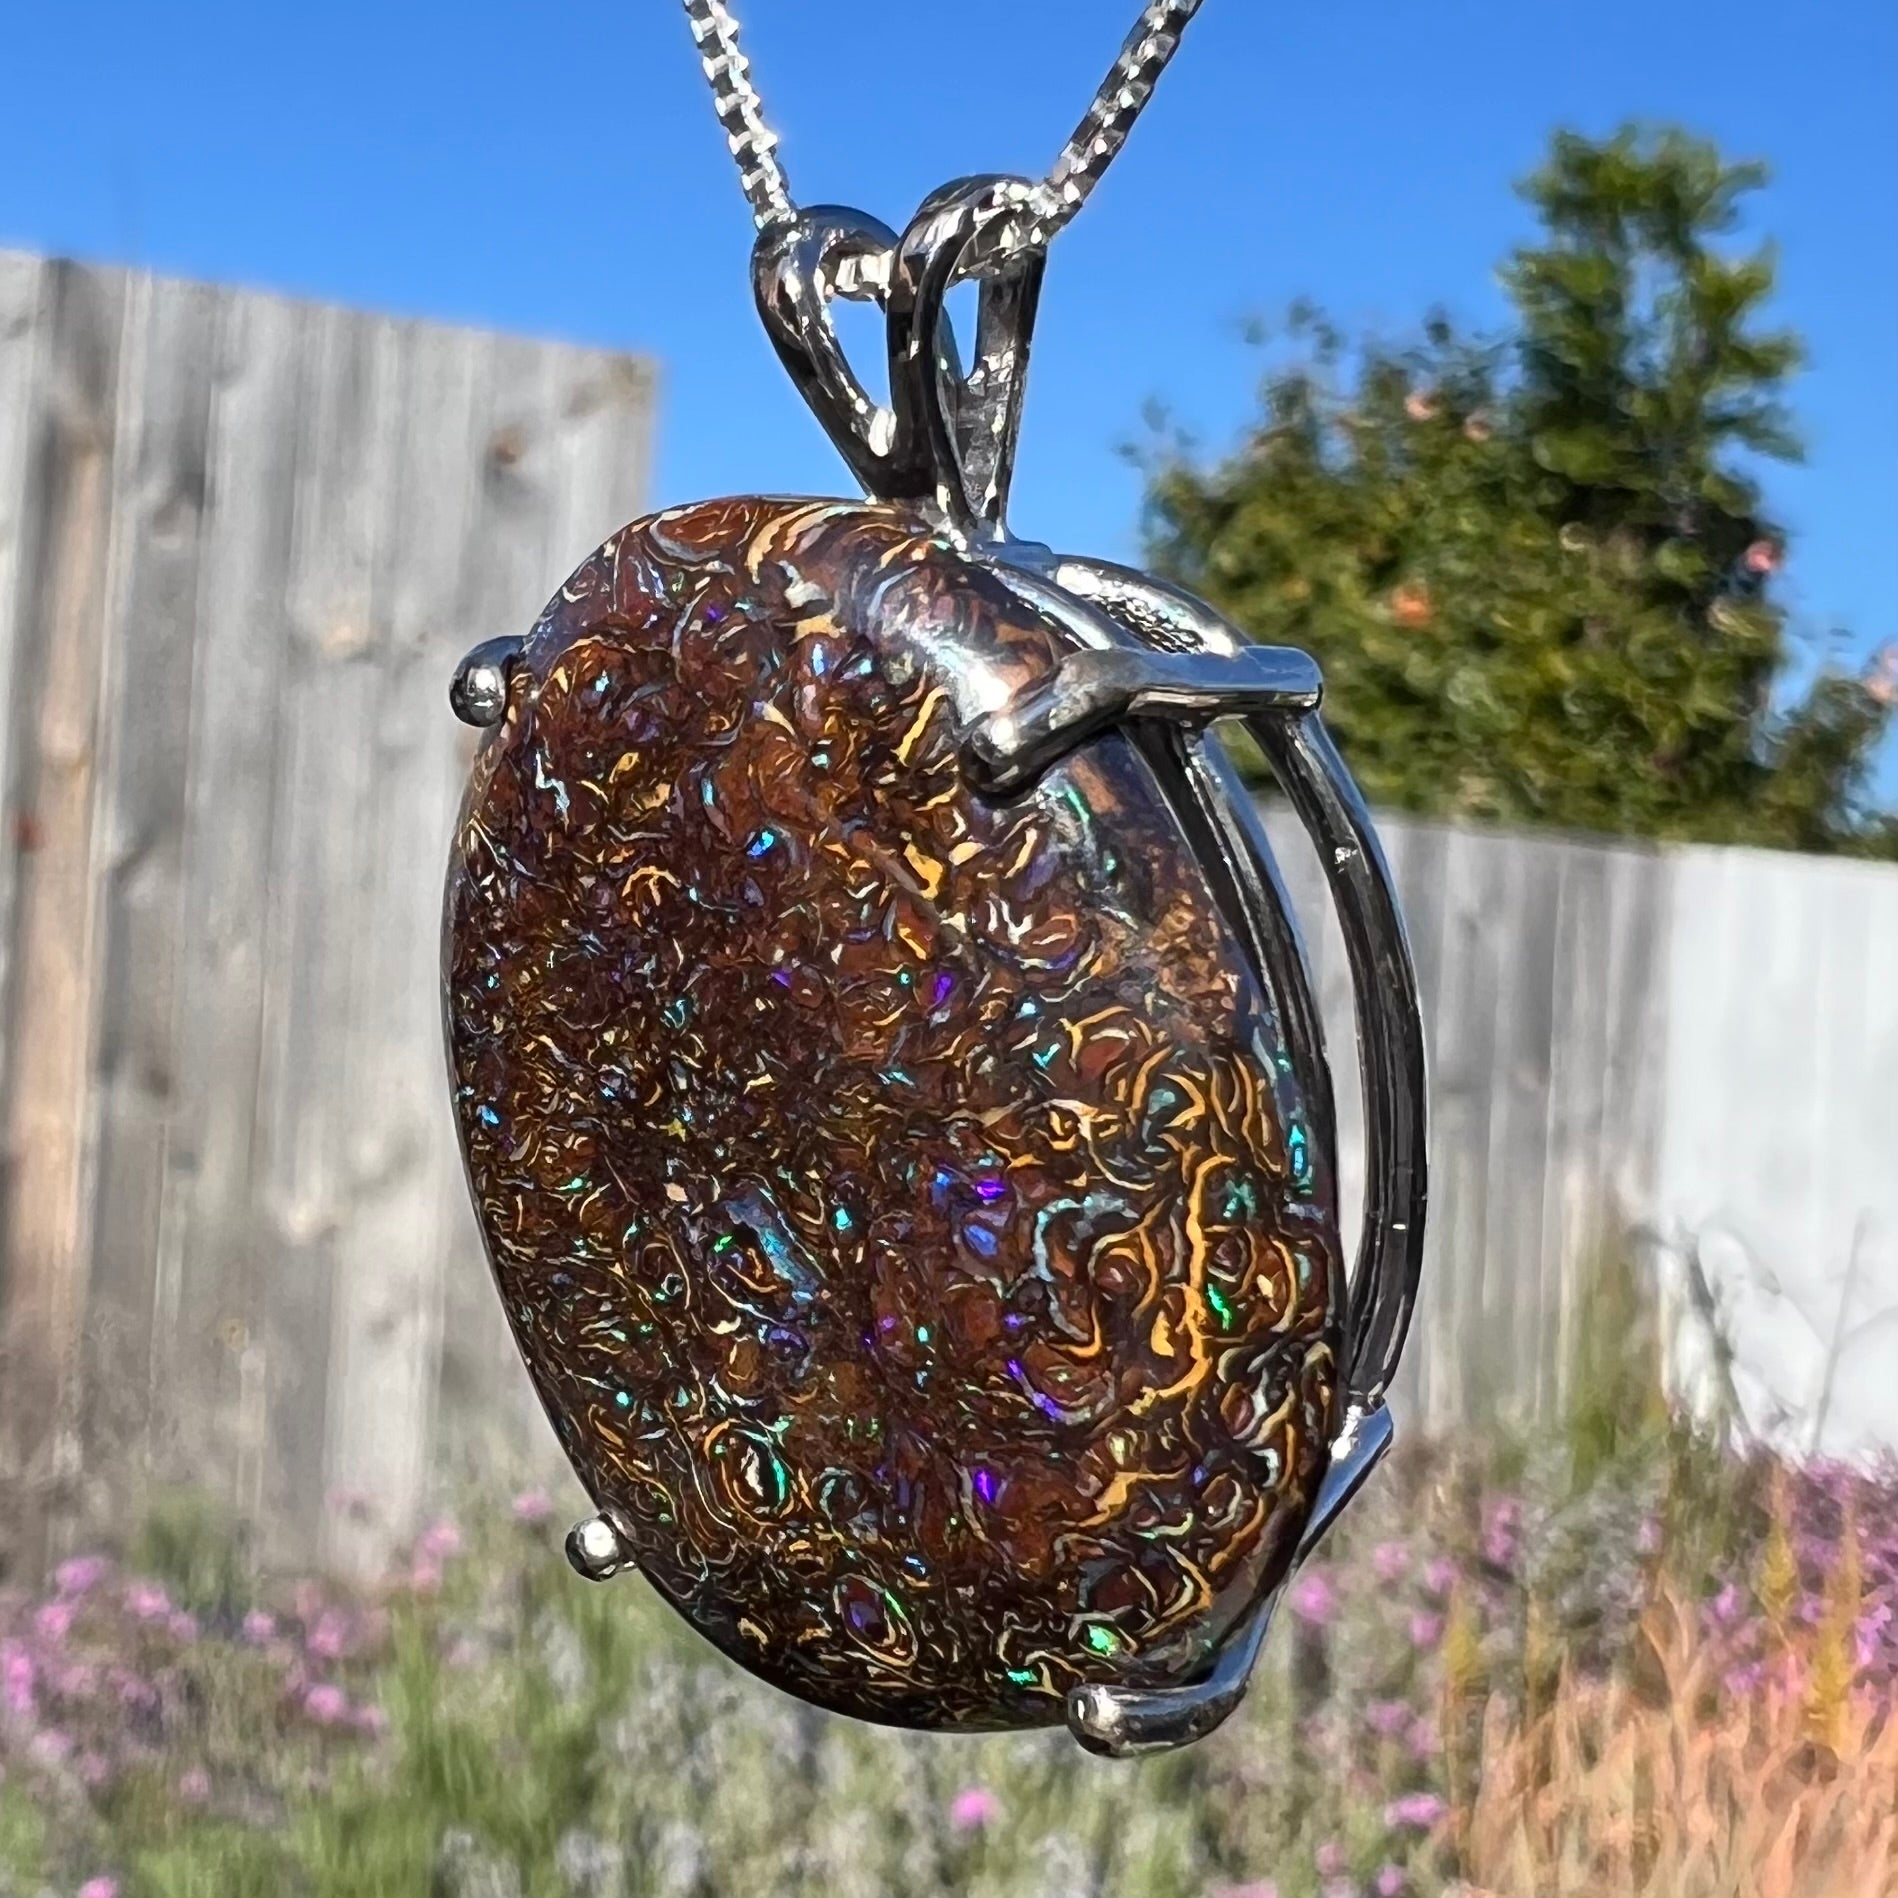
<point>904,1202</point>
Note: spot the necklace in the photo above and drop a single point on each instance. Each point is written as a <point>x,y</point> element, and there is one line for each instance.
<point>888,1076</point>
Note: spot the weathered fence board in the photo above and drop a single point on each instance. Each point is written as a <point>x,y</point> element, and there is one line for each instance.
<point>242,541</point>
<point>63,589</point>
<point>205,1315</point>
<point>22,341</point>
<point>138,831</point>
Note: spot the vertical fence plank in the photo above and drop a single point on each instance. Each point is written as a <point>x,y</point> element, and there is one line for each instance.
<point>213,1255</point>
<point>151,620</point>
<point>1860,1408</point>
<point>390,1255</point>
<point>602,452</point>
<point>1574,1223</point>
<point>1640,906</point>
<point>24,339</point>
<point>65,560</point>
<point>1461,1045</point>
<point>325,827</point>
<point>1509,1342</point>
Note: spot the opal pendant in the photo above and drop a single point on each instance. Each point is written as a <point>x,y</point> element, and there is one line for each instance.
<point>889,1080</point>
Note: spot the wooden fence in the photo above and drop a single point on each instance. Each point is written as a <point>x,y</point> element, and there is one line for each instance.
<point>1689,1054</point>
<point>242,541</point>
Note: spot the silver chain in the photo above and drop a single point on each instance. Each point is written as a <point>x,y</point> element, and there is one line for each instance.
<point>1045,208</point>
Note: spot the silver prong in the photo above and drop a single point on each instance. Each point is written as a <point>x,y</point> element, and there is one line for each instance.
<point>595,1549</point>
<point>1118,1721</point>
<point>478,691</point>
<point>1095,688</point>
<point>1356,1451</point>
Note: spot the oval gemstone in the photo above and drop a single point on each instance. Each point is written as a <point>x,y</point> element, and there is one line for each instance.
<point>903,1201</point>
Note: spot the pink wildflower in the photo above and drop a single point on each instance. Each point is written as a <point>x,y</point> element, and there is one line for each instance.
<point>1761,557</point>
<point>439,1541</point>
<point>80,1574</point>
<point>1501,1523</point>
<point>533,1507</point>
<point>259,1627</point>
<point>330,1637</point>
<point>1391,1882</point>
<point>51,1747</point>
<point>100,1887</point>
<point>1420,405</point>
<point>974,1808</point>
<point>146,1601</point>
<point>326,1704</point>
<point>194,1786</point>
<point>53,1622</point>
<point>18,1678</point>
<point>425,1575</point>
<point>1330,1860</point>
<point>1426,1630</point>
<point>183,1628</point>
<point>1414,1812</point>
<point>1387,1717</point>
<point>1423,1739</point>
<point>1314,1600</point>
<point>1390,1560</point>
<point>1439,1575</point>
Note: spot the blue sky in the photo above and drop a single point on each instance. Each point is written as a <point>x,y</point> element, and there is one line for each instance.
<point>556,169</point>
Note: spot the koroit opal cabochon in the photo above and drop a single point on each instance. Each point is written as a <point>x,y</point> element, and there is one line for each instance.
<point>891,1093</point>
<point>903,1199</point>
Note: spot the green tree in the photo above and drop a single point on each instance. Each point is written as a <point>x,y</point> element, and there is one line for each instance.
<point>1536,567</point>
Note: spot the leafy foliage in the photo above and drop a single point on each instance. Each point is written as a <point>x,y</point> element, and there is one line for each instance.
<point>1537,567</point>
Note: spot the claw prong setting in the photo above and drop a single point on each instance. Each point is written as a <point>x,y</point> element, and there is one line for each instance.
<point>478,691</point>
<point>595,1549</point>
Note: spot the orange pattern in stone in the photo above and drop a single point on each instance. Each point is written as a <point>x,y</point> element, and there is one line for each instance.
<point>902,1201</point>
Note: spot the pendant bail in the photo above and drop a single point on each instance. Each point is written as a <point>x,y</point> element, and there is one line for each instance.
<point>946,441</point>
